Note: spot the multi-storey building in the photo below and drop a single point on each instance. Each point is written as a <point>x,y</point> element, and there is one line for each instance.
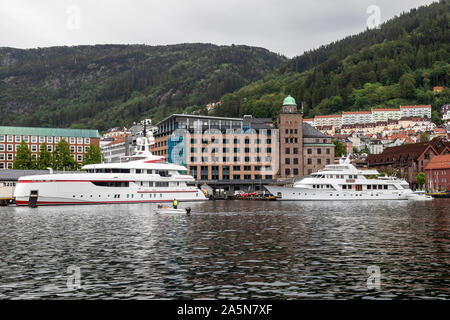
<point>438,173</point>
<point>318,150</point>
<point>334,120</point>
<point>408,160</point>
<point>235,153</point>
<point>290,125</point>
<point>385,114</point>
<point>11,137</point>
<point>415,111</point>
<point>356,117</point>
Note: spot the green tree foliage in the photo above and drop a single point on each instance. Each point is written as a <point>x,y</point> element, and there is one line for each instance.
<point>424,137</point>
<point>93,155</point>
<point>45,158</point>
<point>421,179</point>
<point>62,158</point>
<point>339,149</point>
<point>396,64</point>
<point>104,86</point>
<point>23,160</point>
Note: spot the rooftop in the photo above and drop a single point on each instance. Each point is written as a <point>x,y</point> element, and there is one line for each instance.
<point>439,162</point>
<point>311,132</point>
<point>49,132</point>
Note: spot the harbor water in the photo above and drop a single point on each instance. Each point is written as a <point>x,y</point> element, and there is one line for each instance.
<point>228,250</point>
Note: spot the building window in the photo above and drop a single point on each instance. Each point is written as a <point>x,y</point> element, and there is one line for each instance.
<point>9,157</point>
<point>287,171</point>
<point>33,139</point>
<point>295,160</point>
<point>41,139</point>
<point>50,148</point>
<point>80,158</point>
<point>10,147</point>
<point>79,140</point>
<point>26,139</point>
<point>287,161</point>
<point>72,140</point>
<point>2,147</point>
<point>295,150</point>
<point>288,151</point>
<point>33,148</point>
<point>2,156</point>
<point>328,150</point>
<point>18,139</point>
<point>296,171</point>
<point>10,165</point>
<point>79,149</point>
<point>309,150</point>
<point>2,138</point>
<point>10,138</point>
<point>87,140</point>
<point>309,161</point>
<point>319,161</point>
<point>72,149</point>
<point>50,139</point>
<point>2,166</point>
<point>319,151</point>
<point>328,161</point>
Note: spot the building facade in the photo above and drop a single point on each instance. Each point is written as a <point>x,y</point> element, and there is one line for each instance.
<point>438,173</point>
<point>290,125</point>
<point>11,137</point>
<point>385,114</point>
<point>356,117</point>
<point>421,111</point>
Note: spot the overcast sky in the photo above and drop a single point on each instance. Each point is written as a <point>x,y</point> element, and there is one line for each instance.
<point>288,27</point>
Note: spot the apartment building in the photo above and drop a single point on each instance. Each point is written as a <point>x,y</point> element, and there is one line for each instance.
<point>421,111</point>
<point>11,137</point>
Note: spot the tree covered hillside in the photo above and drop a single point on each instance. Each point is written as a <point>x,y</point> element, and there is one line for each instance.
<point>396,64</point>
<point>112,85</point>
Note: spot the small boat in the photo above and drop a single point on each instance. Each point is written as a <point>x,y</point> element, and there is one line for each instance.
<point>420,196</point>
<point>171,210</point>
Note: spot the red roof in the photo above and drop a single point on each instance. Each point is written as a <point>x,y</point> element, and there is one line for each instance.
<point>122,139</point>
<point>356,112</point>
<point>385,109</point>
<point>329,116</point>
<point>439,162</point>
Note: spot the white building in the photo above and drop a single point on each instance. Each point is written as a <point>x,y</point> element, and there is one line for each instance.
<point>334,120</point>
<point>415,111</point>
<point>375,147</point>
<point>354,117</point>
<point>385,114</point>
<point>113,151</point>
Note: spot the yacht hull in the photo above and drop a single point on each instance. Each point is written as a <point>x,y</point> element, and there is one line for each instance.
<point>303,194</point>
<point>78,193</point>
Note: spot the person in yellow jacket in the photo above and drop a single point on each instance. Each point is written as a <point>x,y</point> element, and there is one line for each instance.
<point>175,203</point>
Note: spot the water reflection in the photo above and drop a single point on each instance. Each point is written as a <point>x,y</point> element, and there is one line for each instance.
<point>227,249</point>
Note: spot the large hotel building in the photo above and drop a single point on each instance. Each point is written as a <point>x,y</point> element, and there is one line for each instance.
<point>11,137</point>
<point>244,151</point>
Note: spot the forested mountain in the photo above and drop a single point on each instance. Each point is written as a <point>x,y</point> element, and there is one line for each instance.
<point>396,64</point>
<point>112,85</point>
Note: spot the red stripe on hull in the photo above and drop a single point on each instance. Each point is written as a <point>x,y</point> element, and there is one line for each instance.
<point>25,203</point>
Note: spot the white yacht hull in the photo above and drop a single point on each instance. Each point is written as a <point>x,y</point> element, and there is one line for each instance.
<point>84,192</point>
<point>303,194</point>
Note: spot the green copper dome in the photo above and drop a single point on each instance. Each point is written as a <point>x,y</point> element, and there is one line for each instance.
<point>289,101</point>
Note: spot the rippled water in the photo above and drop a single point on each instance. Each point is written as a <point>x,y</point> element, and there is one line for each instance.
<point>227,249</point>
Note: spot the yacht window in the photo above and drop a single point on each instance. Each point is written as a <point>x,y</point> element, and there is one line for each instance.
<point>380,187</point>
<point>150,183</point>
<point>123,184</point>
<point>164,173</point>
<point>368,187</point>
<point>149,171</point>
<point>385,186</point>
<point>344,187</point>
<point>139,171</point>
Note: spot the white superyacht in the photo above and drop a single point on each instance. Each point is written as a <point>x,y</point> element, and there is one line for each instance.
<point>344,181</point>
<point>144,178</point>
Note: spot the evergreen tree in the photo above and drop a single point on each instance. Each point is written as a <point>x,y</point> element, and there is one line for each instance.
<point>45,158</point>
<point>23,160</point>
<point>62,158</point>
<point>93,155</point>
